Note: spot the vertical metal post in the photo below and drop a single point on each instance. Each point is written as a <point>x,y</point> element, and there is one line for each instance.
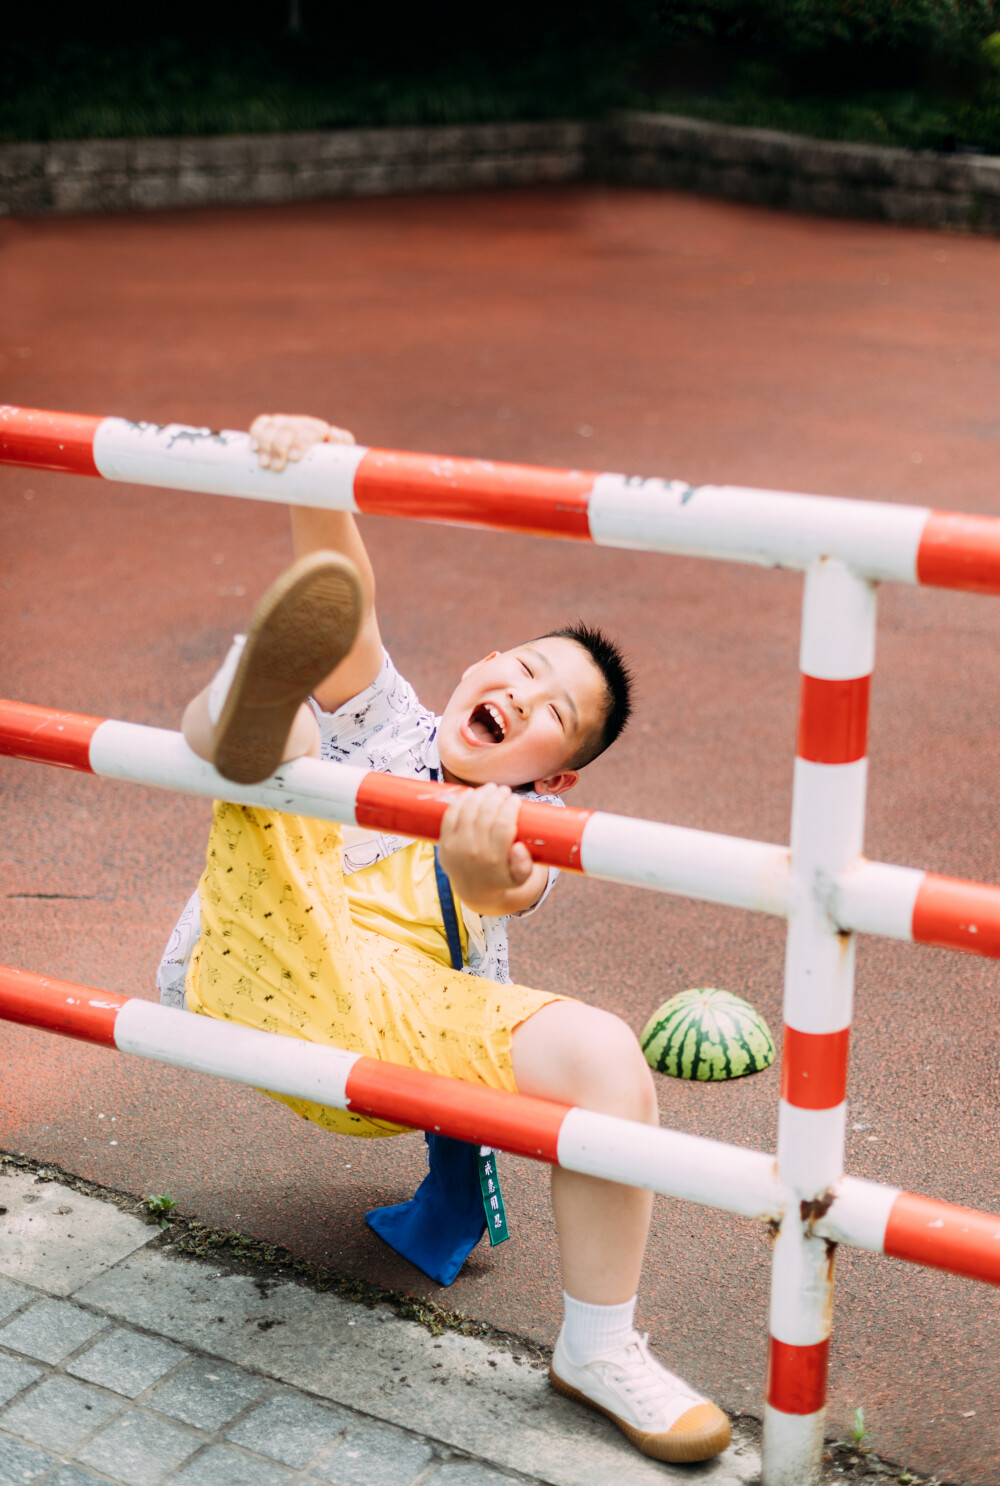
<point>828,807</point>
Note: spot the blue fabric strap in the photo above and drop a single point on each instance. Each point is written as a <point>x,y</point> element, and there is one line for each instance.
<point>447,901</point>
<point>489,1176</point>
<point>459,1198</point>
<point>449,915</point>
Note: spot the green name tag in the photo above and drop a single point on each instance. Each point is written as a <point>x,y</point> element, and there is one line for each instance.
<point>489,1185</point>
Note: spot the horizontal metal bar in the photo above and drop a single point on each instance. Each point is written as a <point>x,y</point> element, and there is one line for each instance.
<point>877,540</point>
<point>664,858</point>
<point>689,1167</point>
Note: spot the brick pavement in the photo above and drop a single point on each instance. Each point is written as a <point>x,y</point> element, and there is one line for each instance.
<point>84,1401</point>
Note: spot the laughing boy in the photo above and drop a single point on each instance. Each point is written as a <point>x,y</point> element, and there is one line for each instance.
<point>347,938</point>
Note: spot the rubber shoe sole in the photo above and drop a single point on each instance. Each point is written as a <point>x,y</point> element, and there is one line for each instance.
<point>700,1434</point>
<point>301,630</point>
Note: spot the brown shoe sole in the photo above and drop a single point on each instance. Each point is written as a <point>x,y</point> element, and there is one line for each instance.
<point>301,630</point>
<point>705,1435</point>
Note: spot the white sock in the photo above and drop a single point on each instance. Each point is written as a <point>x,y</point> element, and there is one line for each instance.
<point>223,679</point>
<point>591,1331</point>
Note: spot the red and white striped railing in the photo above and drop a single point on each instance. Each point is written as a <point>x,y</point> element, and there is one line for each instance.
<point>910,544</point>
<point>710,1172</point>
<point>823,885</point>
<point>869,897</point>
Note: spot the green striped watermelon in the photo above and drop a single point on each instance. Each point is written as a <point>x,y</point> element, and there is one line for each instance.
<point>707,1034</point>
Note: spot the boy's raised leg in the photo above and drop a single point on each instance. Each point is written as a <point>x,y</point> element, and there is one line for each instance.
<point>252,717</point>
<point>580,1055</point>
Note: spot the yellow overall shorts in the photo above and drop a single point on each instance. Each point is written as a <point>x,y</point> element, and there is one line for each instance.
<point>289,944</point>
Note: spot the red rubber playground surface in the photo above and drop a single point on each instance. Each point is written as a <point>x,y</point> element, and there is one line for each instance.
<point>646,332</point>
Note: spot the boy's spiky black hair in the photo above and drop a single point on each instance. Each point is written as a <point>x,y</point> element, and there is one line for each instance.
<point>609,660</point>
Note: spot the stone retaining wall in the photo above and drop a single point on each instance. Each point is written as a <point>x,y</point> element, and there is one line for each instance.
<point>755,165</point>
<point>918,187</point>
<point>128,174</point>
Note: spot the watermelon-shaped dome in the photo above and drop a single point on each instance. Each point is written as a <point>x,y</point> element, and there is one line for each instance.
<point>707,1034</point>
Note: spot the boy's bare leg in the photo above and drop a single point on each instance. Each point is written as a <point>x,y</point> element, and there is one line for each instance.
<point>581,1055</point>
<point>578,1054</point>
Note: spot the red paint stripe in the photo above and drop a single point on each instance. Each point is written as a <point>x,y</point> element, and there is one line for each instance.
<point>410,807</point>
<point>405,807</point>
<point>475,492</point>
<point>944,1237</point>
<point>833,720</point>
<point>958,915</point>
<point>47,736</point>
<point>48,441</point>
<point>407,1096</point>
<point>59,1006</point>
<point>814,1068</point>
<point>959,551</point>
<point>796,1376</point>
<point>552,835</point>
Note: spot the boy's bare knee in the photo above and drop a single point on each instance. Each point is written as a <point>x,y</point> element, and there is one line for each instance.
<point>607,1069</point>
<point>582,1055</point>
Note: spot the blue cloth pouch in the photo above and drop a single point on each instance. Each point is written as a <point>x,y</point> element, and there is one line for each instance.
<point>442,1223</point>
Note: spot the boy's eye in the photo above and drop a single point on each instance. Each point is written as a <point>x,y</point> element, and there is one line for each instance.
<point>557,715</point>
<point>526,668</point>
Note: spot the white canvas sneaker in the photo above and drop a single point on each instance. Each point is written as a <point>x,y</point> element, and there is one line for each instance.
<point>662,1415</point>
<point>301,630</point>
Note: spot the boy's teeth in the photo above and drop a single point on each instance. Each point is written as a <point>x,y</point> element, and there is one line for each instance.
<point>487,724</point>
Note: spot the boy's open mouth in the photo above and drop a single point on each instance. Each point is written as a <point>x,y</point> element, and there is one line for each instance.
<point>486,724</point>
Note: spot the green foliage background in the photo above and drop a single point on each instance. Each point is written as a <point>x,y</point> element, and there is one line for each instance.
<point>899,71</point>
<point>948,28</point>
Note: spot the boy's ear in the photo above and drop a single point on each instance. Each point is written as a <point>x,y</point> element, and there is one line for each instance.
<point>557,784</point>
<point>492,656</point>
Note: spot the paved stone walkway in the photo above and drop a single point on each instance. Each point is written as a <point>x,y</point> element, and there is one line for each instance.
<point>85,1401</point>
<point>124,1362</point>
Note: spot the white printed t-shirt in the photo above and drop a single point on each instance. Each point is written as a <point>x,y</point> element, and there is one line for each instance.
<point>385,729</point>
